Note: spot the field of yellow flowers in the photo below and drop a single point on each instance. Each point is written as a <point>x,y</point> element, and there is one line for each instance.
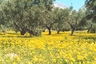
<point>48,49</point>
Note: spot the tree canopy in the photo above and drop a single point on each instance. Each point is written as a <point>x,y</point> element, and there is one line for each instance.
<point>91,9</point>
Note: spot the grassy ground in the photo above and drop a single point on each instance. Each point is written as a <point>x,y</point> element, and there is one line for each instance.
<point>48,49</point>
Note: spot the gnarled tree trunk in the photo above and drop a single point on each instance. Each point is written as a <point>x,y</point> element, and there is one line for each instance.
<point>22,31</point>
<point>72,31</point>
<point>49,29</point>
<point>58,30</point>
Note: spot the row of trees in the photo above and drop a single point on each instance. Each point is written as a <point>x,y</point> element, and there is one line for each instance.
<point>34,16</point>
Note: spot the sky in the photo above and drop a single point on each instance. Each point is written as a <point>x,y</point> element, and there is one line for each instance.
<point>75,3</point>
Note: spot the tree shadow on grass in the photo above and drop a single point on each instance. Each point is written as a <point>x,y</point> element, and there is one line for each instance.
<point>4,36</point>
<point>91,38</point>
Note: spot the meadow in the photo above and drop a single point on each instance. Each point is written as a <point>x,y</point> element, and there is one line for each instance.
<point>48,49</point>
